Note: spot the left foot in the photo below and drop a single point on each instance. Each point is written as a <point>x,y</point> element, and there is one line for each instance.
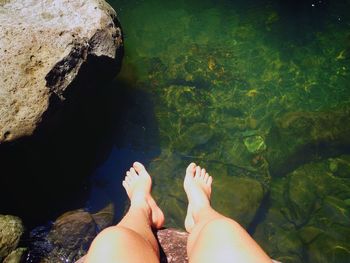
<point>138,186</point>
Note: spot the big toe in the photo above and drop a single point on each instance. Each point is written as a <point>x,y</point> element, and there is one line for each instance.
<point>191,168</point>
<point>138,167</point>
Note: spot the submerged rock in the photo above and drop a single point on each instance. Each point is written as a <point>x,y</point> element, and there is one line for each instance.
<point>309,214</point>
<point>11,230</point>
<point>70,235</point>
<point>72,231</point>
<point>300,137</point>
<point>237,197</point>
<point>255,144</point>
<point>196,135</point>
<point>44,47</point>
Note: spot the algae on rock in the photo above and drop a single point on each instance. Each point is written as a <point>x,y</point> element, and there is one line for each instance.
<point>309,211</point>
<point>11,230</point>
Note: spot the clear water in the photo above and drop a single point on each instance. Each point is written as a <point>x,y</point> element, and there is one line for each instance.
<point>215,82</point>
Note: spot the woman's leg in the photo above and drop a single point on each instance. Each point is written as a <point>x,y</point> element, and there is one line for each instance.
<point>214,237</point>
<point>132,240</point>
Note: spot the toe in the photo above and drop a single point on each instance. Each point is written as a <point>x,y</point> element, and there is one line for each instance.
<point>210,180</point>
<point>132,172</point>
<point>190,169</point>
<point>203,173</point>
<point>206,176</point>
<point>138,167</point>
<point>198,172</point>
<point>128,179</point>
<point>126,186</point>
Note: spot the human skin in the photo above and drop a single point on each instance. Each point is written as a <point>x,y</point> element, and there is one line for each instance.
<point>212,236</point>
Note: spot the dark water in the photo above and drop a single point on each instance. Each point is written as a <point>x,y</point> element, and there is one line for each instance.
<point>258,93</point>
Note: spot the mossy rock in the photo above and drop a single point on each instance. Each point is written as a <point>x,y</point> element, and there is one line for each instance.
<point>326,249</point>
<point>196,135</point>
<point>298,137</point>
<point>237,197</point>
<point>278,237</point>
<point>16,256</point>
<point>11,230</point>
<point>309,216</point>
<point>301,197</point>
<point>340,167</point>
<point>336,211</point>
<point>255,144</point>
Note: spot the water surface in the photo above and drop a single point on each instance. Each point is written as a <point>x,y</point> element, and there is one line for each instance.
<point>258,93</point>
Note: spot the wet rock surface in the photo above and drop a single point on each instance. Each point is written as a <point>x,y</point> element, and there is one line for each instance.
<point>11,230</point>
<point>173,243</point>
<point>69,237</point>
<point>43,48</point>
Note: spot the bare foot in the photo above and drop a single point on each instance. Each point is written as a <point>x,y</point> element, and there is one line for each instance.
<point>138,186</point>
<point>197,186</point>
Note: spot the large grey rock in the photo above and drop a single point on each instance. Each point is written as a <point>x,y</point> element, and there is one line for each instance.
<point>43,46</point>
<point>11,230</point>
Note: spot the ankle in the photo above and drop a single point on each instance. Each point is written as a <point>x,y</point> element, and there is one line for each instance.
<point>139,201</point>
<point>203,214</point>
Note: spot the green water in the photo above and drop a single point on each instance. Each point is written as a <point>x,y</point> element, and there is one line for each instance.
<point>257,92</point>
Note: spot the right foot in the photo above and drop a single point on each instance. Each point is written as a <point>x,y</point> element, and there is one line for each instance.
<point>197,186</point>
<point>138,185</point>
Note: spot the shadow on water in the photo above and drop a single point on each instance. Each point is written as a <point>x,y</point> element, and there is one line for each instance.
<point>47,174</point>
<point>135,138</point>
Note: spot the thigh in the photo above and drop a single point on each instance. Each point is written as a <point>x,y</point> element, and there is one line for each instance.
<point>211,245</point>
<point>223,240</point>
<point>121,245</point>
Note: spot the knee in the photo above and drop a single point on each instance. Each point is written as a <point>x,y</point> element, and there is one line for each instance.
<point>107,243</point>
<point>112,236</point>
<point>222,227</point>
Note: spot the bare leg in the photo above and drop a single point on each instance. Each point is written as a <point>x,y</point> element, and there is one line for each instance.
<point>132,240</point>
<point>214,237</point>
